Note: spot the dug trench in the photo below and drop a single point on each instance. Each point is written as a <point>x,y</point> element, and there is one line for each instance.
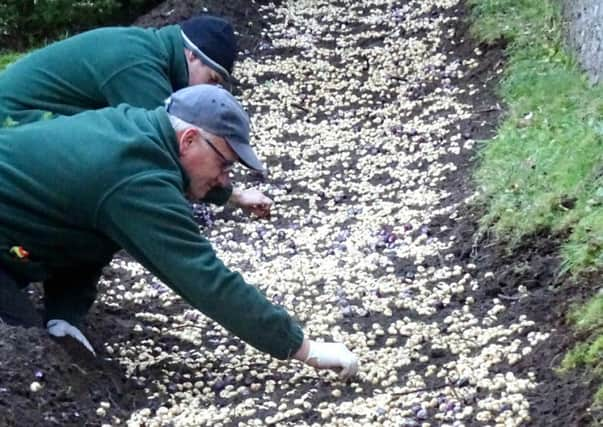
<point>74,390</point>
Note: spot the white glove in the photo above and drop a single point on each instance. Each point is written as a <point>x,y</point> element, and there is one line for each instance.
<point>60,328</point>
<point>333,355</point>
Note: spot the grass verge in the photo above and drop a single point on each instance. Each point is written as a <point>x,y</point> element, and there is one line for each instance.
<point>544,168</point>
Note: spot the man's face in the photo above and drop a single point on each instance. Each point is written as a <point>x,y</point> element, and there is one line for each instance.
<point>199,73</point>
<point>207,160</point>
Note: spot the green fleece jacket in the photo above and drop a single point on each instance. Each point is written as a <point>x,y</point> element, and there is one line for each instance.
<point>74,190</point>
<point>96,69</point>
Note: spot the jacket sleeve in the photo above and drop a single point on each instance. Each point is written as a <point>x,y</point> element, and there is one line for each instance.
<point>142,85</point>
<point>151,219</point>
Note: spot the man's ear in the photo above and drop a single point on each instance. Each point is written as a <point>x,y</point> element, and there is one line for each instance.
<point>189,55</point>
<point>186,139</point>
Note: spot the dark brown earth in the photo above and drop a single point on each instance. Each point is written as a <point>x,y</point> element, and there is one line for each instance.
<point>558,400</point>
<point>74,384</point>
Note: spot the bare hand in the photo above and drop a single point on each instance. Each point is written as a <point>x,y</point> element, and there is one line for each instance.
<point>254,201</point>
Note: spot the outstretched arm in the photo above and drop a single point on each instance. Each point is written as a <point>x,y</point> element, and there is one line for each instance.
<point>161,234</point>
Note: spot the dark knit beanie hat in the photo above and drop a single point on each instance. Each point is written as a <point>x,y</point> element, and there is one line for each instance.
<point>212,40</point>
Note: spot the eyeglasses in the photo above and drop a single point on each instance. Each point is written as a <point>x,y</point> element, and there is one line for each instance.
<point>226,163</point>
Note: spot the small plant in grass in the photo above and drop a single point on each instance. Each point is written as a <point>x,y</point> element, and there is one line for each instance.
<point>588,320</point>
<point>598,404</point>
<point>7,58</point>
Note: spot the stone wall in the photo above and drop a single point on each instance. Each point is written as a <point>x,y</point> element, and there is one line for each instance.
<point>585,34</point>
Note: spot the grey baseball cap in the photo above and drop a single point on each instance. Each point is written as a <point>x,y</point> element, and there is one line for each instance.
<point>215,110</point>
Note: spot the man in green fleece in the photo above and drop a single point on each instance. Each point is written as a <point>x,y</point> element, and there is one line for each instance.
<point>127,187</point>
<point>137,66</point>
<point>109,66</point>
